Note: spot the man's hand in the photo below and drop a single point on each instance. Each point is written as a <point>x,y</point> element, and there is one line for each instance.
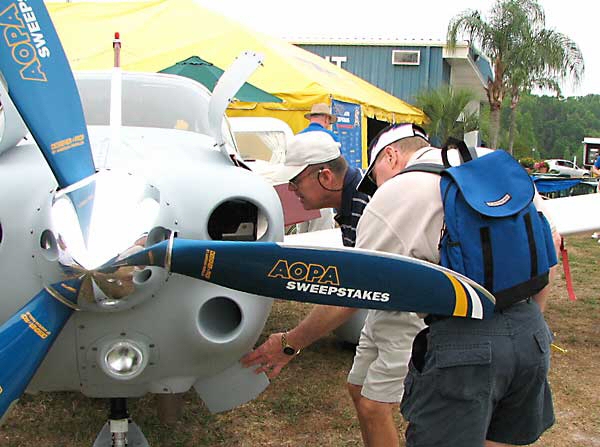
<point>269,357</point>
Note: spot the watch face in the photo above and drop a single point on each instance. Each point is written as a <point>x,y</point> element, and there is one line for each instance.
<point>289,350</point>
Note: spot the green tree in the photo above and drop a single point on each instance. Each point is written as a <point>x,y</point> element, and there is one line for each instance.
<point>446,109</point>
<point>543,59</point>
<point>515,40</point>
<point>555,127</point>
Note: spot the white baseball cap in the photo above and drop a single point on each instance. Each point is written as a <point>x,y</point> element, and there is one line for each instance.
<point>305,149</point>
<point>387,136</point>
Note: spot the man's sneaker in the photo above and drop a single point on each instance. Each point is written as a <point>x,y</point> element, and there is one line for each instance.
<point>594,235</point>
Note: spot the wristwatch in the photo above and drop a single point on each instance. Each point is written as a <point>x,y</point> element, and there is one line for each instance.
<point>287,349</point>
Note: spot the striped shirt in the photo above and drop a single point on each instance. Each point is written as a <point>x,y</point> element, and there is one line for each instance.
<point>353,204</point>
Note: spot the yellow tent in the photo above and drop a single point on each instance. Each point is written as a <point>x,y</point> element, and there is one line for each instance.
<point>157,34</point>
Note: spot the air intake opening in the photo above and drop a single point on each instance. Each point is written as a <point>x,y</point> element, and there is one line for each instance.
<point>236,220</point>
<point>49,245</point>
<point>156,235</point>
<point>219,319</point>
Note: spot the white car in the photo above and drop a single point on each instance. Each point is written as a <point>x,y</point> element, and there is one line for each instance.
<point>566,167</point>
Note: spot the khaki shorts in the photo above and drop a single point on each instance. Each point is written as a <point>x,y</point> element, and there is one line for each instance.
<point>383,354</point>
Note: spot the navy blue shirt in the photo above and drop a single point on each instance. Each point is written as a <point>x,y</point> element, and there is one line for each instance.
<point>353,204</point>
<point>312,127</point>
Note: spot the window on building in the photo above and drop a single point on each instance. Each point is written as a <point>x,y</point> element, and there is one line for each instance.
<point>406,57</point>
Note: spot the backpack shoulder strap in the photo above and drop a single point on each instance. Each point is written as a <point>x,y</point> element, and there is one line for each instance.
<point>424,167</point>
<point>466,153</point>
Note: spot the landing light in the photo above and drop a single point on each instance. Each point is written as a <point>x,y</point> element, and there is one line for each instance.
<point>123,360</point>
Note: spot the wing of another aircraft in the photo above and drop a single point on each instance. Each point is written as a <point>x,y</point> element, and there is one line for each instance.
<point>576,214</point>
<point>322,238</point>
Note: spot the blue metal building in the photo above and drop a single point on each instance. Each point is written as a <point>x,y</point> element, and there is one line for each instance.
<point>407,67</point>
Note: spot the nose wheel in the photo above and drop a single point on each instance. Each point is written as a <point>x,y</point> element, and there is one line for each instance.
<point>120,431</point>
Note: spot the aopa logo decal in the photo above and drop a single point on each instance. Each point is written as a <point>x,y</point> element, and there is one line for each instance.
<point>22,34</point>
<point>299,271</point>
<point>320,280</point>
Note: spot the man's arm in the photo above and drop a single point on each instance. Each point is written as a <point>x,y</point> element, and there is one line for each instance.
<point>542,296</point>
<point>270,357</point>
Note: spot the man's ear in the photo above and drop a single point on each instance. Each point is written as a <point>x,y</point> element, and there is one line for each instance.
<point>394,157</point>
<point>390,155</point>
<point>326,175</point>
<point>329,178</point>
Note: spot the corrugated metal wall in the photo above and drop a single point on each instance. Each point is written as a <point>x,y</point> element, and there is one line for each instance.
<point>374,64</point>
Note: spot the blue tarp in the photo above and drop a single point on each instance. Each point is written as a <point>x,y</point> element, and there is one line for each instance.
<point>546,185</point>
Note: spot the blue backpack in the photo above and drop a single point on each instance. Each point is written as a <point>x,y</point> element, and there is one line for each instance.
<point>492,231</point>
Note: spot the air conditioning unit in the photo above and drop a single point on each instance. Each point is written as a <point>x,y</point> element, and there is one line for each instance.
<point>406,57</point>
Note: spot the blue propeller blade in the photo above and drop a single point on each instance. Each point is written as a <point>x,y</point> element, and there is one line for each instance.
<point>43,89</point>
<point>28,335</point>
<point>339,277</point>
<point>41,85</point>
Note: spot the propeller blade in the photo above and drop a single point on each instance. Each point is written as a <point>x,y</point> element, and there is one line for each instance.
<point>341,277</point>
<point>28,335</point>
<point>41,85</point>
<point>43,89</point>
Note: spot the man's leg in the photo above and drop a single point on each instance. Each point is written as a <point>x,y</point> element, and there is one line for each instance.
<point>354,391</point>
<point>376,420</point>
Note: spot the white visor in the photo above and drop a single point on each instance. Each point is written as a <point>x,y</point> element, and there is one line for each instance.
<point>395,133</point>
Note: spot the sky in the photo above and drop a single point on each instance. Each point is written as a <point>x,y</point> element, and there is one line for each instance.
<point>421,19</point>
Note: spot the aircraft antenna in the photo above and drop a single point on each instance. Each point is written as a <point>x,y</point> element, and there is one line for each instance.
<point>115,107</point>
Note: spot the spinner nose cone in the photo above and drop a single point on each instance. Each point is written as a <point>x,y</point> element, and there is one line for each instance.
<point>118,210</point>
<point>99,220</point>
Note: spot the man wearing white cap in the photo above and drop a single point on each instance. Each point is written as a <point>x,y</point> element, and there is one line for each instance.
<point>320,177</point>
<point>375,382</point>
<point>321,119</point>
<point>471,383</point>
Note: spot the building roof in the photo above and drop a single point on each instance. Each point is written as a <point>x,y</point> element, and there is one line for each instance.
<point>385,40</point>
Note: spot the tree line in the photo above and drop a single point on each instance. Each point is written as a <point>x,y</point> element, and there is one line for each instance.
<point>549,127</point>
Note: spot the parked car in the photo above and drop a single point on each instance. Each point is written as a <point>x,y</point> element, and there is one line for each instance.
<point>566,167</point>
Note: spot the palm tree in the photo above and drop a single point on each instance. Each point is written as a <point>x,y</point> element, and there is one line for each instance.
<point>517,43</point>
<point>445,108</point>
<point>546,58</point>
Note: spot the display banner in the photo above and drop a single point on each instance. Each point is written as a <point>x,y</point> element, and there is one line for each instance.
<point>349,131</point>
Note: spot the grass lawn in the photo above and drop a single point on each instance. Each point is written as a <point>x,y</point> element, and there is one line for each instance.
<point>307,405</point>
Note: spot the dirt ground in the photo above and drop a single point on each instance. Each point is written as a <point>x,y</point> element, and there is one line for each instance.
<point>307,405</point>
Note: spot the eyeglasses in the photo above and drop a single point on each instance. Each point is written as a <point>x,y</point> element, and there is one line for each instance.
<point>295,182</point>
